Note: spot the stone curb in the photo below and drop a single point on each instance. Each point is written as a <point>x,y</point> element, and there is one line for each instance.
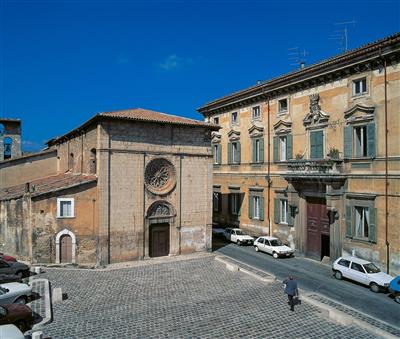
<point>233,267</point>
<point>48,307</point>
<point>346,319</point>
<point>131,264</point>
<point>328,311</point>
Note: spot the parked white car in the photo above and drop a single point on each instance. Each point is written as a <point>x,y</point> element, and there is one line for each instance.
<point>10,331</point>
<point>14,293</point>
<point>362,271</point>
<point>272,246</point>
<point>238,236</point>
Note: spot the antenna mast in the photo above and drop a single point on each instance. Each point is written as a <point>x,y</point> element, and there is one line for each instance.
<point>341,35</point>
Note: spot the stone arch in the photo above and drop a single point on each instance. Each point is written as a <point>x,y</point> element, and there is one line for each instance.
<point>160,209</point>
<point>58,237</point>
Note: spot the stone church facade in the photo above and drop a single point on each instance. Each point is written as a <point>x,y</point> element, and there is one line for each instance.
<point>313,156</point>
<point>125,185</point>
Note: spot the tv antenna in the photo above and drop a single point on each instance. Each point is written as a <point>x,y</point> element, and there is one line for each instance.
<point>297,56</point>
<point>341,35</point>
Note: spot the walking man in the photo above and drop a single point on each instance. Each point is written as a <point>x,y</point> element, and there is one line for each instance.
<point>291,290</point>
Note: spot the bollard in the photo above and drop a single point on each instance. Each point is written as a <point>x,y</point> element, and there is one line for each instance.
<point>57,295</point>
<point>37,335</point>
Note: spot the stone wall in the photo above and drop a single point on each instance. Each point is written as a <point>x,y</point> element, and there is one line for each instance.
<point>126,149</point>
<point>75,154</point>
<point>27,168</point>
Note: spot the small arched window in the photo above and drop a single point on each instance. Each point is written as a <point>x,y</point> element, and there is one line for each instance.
<point>93,161</point>
<point>7,147</point>
<point>71,162</point>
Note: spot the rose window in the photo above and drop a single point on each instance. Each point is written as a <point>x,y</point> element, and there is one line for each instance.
<point>160,176</point>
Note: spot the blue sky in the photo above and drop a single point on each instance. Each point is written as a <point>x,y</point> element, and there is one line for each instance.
<point>64,61</point>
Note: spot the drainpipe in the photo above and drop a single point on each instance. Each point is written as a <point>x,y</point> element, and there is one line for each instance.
<point>386,171</point>
<point>144,210</point>
<point>180,204</point>
<point>269,169</point>
<point>109,202</point>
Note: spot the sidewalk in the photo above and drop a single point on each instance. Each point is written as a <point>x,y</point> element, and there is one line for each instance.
<point>331,309</point>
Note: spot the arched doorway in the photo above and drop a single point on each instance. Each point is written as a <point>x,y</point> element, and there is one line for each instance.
<point>160,218</point>
<point>65,249</point>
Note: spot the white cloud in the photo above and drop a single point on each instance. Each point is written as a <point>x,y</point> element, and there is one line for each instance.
<point>173,62</point>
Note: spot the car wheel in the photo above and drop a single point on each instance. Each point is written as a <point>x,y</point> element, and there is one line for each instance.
<point>374,287</point>
<point>22,325</point>
<point>397,299</point>
<point>256,248</point>
<point>20,300</point>
<point>19,274</point>
<point>338,275</point>
<point>239,242</point>
<point>275,255</point>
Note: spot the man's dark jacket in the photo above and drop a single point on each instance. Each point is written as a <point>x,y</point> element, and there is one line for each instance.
<point>291,287</point>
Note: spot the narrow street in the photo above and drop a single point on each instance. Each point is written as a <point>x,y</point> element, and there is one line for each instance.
<point>313,276</point>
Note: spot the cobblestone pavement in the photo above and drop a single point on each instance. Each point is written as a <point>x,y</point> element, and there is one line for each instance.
<point>181,299</point>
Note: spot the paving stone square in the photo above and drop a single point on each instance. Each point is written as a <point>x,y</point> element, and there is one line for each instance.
<point>195,298</point>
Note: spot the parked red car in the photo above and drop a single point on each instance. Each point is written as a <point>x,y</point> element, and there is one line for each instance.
<point>17,314</point>
<point>6,257</point>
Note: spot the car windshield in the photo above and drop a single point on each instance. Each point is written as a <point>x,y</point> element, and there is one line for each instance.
<point>239,232</point>
<point>371,268</point>
<point>275,242</point>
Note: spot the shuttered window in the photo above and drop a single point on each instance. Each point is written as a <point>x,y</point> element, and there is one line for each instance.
<point>256,206</point>
<point>217,154</point>
<point>361,223</point>
<point>317,145</point>
<point>258,150</point>
<point>359,141</point>
<point>234,152</point>
<point>283,147</point>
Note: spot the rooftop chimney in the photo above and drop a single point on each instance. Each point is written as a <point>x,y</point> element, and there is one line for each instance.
<point>302,65</point>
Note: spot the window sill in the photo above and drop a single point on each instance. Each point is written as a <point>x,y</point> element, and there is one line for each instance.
<point>361,240</point>
<point>256,164</point>
<point>360,96</point>
<point>59,217</point>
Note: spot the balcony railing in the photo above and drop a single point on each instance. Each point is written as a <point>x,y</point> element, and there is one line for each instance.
<point>323,166</point>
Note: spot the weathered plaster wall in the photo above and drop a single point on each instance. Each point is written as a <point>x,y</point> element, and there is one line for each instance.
<point>46,224</point>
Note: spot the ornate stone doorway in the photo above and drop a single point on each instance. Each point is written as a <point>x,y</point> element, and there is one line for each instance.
<point>160,222</point>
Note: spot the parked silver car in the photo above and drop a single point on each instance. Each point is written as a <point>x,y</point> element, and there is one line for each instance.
<point>14,293</point>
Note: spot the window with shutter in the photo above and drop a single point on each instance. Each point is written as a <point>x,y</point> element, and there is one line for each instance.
<point>349,230</point>
<point>276,144</point>
<point>348,149</point>
<point>276,211</point>
<point>371,147</point>
<point>289,146</point>
<point>317,144</point>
